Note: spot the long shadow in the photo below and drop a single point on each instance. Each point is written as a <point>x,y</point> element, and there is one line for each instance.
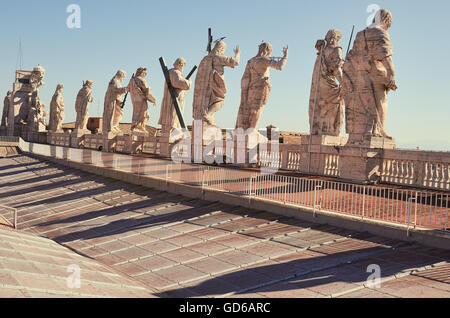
<point>45,187</point>
<point>124,226</point>
<point>35,180</point>
<point>73,196</point>
<point>7,174</point>
<point>298,274</point>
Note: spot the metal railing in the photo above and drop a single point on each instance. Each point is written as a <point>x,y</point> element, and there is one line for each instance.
<point>409,207</point>
<point>9,221</point>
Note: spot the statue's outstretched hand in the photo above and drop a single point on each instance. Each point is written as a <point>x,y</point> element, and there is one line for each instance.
<point>237,50</point>
<point>285,51</point>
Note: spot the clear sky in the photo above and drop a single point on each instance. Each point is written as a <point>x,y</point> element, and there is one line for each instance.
<point>128,34</point>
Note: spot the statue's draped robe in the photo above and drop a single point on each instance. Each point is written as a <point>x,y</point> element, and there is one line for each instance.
<point>255,90</point>
<point>56,112</point>
<point>140,93</point>
<point>365,83</point>
<point>84,98</point>
<point>329,107</point>
<point>169,119</point>
<point>5,114</point>
<point>113,112</point>
<point>210,88</point>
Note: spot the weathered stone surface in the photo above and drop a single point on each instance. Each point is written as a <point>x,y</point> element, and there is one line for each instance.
<point>57,110</point>
<point>140,93</point>
<point>113,112</point>
<point>326,106</point>
<point>84,98</point>
<point>168,118</point>
<point>210,88</point>
<point>369,75</point>
<point>256,85</point>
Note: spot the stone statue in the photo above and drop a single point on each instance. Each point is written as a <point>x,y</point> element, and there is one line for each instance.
<point>6,103</point>
<point>169,119</point>
<point>37,77</point>
<point>84,98</point>
<point>210,88</point>
<point>57,110</point>
<point>36,117</point>
<point>369,75</point>
<point>140,93</point>
<point>113,112</point>
<point>256,85</point>
<point>326,106</point>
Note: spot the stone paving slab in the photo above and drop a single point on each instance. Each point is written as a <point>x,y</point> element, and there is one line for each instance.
<point>180,247</point>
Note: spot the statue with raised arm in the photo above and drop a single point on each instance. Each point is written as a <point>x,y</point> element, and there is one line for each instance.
<point>84,99</point>
<point>168,118</point>
<point>113,112</point>
<point>6,104</point>
<point>368,77</point>
<point>57,110</point>
<point>210,88</point>
<point>326,105</point>
<point>140,94</point>
<point>256,86</point>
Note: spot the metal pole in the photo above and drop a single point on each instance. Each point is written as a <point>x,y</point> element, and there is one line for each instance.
<point>409,215</point>
<point>315,196</point>
<point>364,201</point>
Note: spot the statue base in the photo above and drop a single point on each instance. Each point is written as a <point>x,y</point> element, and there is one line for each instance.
<point>324,140</point>
<point>79,133</point>
<point>371,142</point>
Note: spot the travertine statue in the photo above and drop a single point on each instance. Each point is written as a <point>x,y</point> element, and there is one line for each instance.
<point>113,112</point>
<point>6,104</point>
<point>368,77</point>
<point>140,93</point>
<point>36,117</point>
<point>256,85</point>
<point>326,105</point>
<point>37,77</point>
<point>168,118</point>
<point>210,88</point>
<point>84,98</point>
<point>57,110</point>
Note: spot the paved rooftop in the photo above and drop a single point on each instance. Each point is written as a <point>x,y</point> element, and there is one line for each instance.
<point>180,247</point>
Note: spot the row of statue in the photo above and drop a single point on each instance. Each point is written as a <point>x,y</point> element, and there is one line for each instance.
<point>357,86</point>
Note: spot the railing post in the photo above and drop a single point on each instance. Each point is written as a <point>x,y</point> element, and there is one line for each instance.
<point>315,197</point>
<point>250,186</point>
<point>363,202</point>
<point>15,219</point>
<point>409,215</point>
<point>167,174</point>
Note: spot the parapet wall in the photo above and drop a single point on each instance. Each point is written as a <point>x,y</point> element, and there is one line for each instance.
<point>413,168</point>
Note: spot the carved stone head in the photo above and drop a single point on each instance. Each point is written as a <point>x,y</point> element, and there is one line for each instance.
<point>333,37</point>
<point>265,49</point>
<point>219,48</point>
<point>142,71</point>
<point>179,64</point>
<point>383,18</point>
<point>89,84</point>
<point>59,88</point>
<point>120,75</point>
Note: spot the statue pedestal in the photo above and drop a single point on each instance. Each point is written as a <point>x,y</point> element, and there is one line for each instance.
<point>324,140</point>
<point>322,155</point>
<point>77,139</point>
<point>371,142</point>
<point>363,163</point>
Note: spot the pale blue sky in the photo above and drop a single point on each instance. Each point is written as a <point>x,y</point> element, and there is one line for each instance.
<point>128,34</point>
